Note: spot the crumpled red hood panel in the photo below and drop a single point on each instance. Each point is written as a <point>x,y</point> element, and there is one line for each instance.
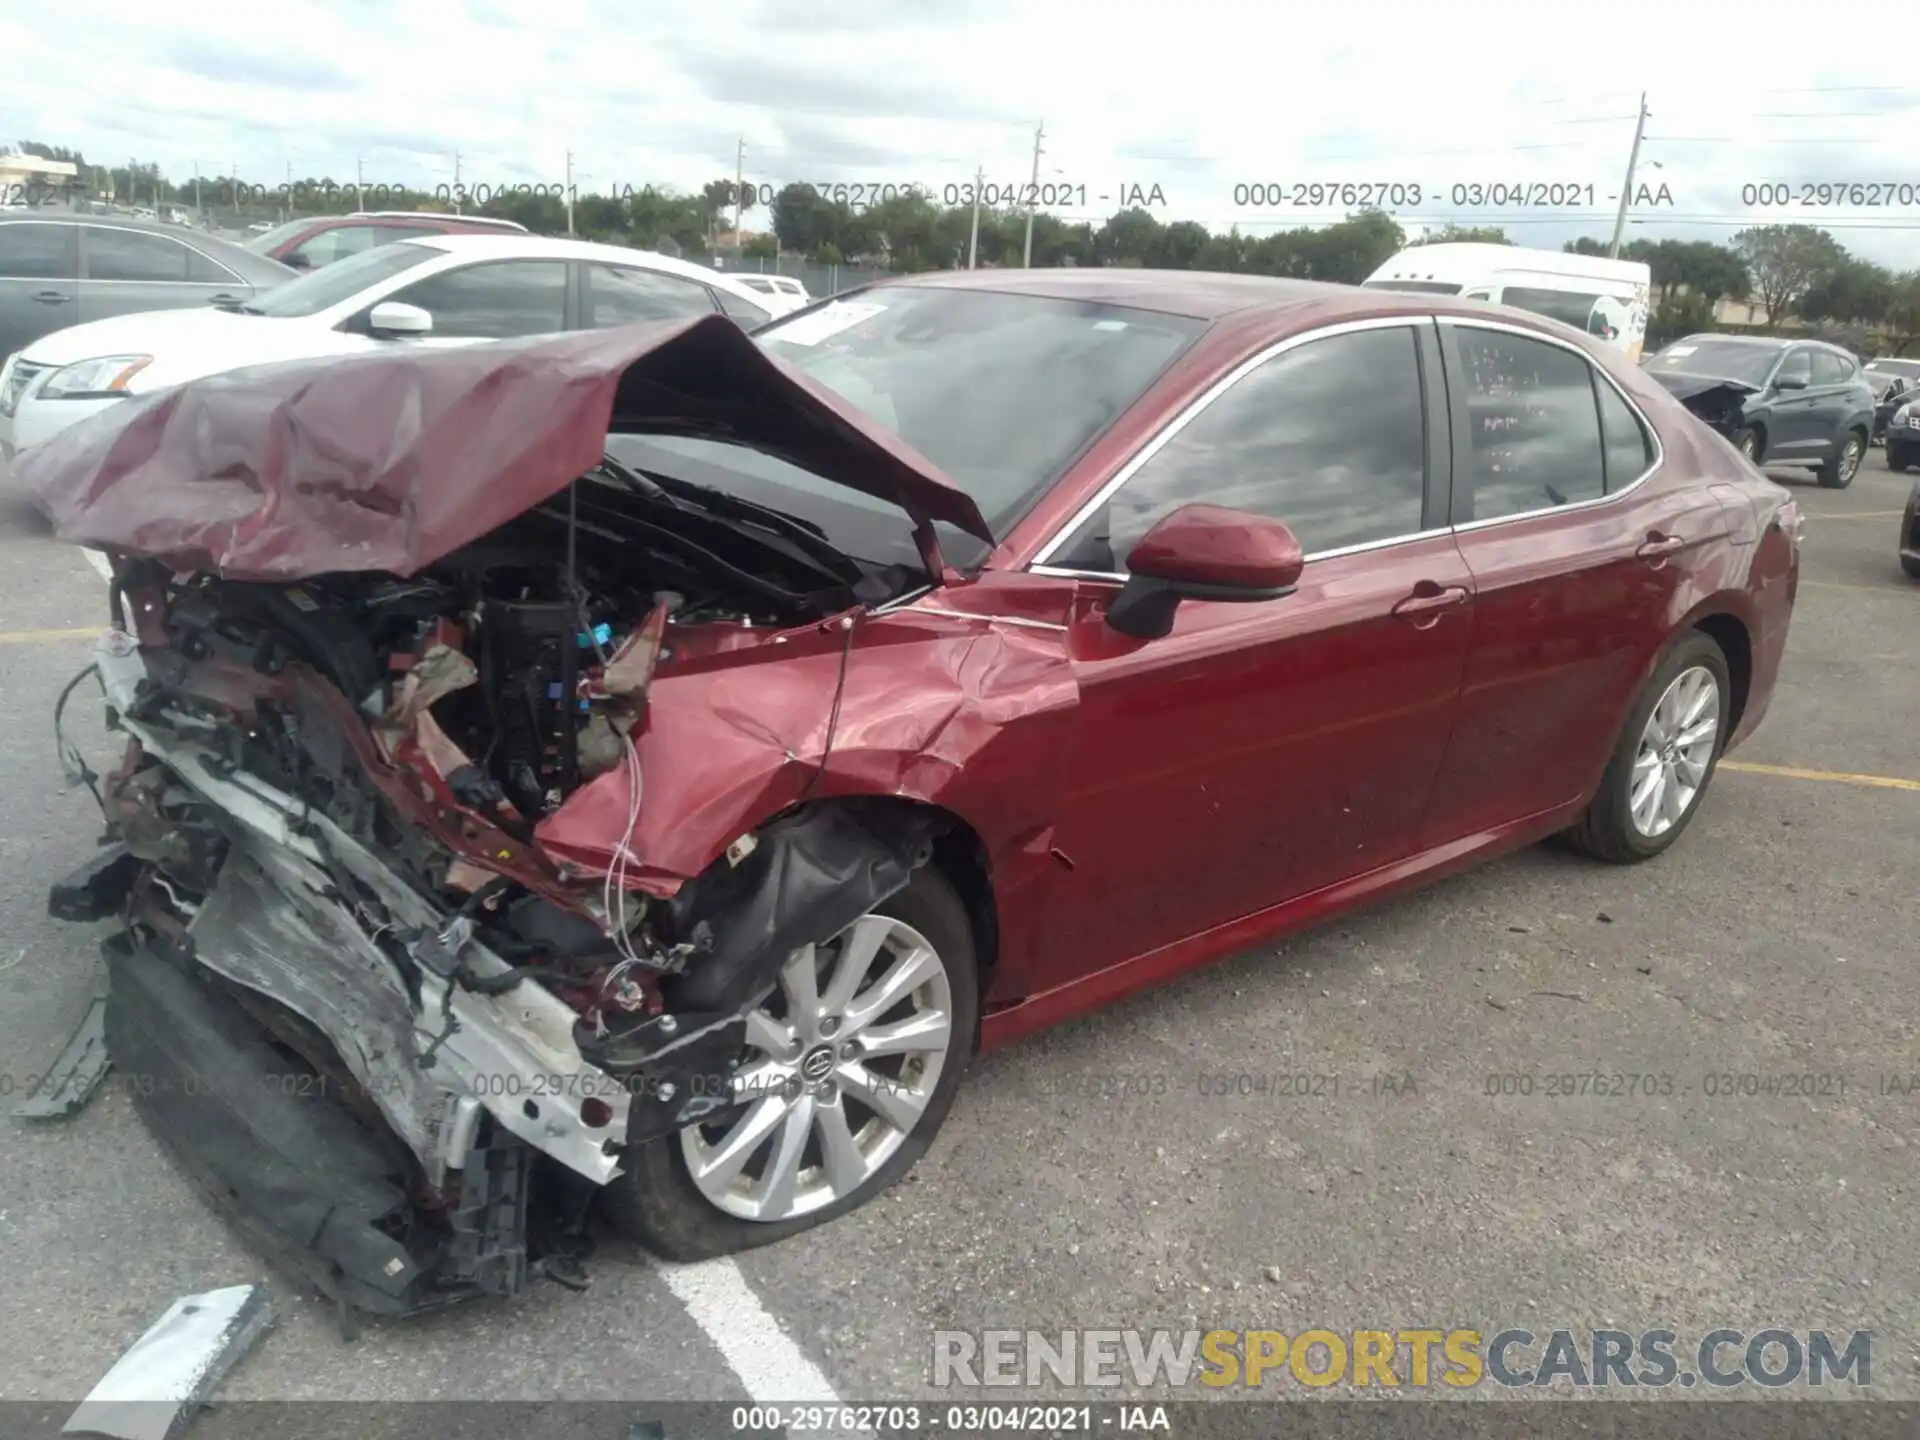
<point>392,460</point>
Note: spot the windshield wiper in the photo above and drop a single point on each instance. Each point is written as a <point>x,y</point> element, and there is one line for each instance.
<point>804,535</point>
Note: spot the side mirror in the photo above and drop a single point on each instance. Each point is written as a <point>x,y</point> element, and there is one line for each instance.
<point>396,317</point>
<point>1203,552</point>
<point>1790,382</point>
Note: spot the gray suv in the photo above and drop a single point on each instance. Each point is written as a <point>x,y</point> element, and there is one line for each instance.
<point>59,269</point>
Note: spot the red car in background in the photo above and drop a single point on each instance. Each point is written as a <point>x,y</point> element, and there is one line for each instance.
<point>316,240</point>
<point>666,755</point>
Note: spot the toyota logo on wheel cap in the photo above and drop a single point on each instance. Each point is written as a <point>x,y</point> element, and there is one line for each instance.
<point>817,1065</point>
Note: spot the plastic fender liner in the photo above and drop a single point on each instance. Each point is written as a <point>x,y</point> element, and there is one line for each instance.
<point>808,876</point>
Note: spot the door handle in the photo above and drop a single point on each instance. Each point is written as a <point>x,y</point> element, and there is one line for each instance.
<point>1428,597</point>
<point>51,297</point>
<point>225,300</point>
<point>1658,546</point>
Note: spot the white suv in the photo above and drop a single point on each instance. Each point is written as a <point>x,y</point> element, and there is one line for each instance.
<point>429,290</point>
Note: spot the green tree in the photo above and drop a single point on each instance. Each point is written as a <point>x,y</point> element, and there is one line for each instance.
<point>761,247</point>
<point>1465,235</point>
<point>1903,311</point>
<point>1786,261</point>
<point>1854,289</point>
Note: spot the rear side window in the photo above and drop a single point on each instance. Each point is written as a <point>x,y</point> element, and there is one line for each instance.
<point>742,309</point>
<point>1570,307</point>
<point>205,270</point>
<point>1829,369</point>
<point>34,251</point>
<point>629,295</point>
<point>133,255</point>
<point>1532,423</point>
<point>1628,446</point>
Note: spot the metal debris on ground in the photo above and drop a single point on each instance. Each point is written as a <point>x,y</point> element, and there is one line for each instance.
<point>155,1388</point>
<point>73,1078</point>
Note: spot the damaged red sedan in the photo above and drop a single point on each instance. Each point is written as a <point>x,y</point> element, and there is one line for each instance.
<point>636,770</point>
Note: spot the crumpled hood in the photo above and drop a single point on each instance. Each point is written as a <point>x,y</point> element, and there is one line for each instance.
<point>1702,389</point>
<point>393,460</point>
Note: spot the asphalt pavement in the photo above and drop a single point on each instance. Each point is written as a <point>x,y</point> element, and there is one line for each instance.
<point>1095,1176</point>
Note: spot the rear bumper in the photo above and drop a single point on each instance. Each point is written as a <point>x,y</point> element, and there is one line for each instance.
<point>276,1150</point>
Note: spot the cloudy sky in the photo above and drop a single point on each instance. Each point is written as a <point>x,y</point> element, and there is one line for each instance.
<point>1196,97</point>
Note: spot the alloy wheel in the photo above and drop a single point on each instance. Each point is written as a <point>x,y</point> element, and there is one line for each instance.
<point>1676,747</point>
<point>1849,459</point>
<point>843,1060</point>
<point>1748,446</point>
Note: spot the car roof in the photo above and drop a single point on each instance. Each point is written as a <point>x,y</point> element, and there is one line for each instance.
<point>401,217</point>
<point>1196,294</point>
<point>254,269</point>
<point>544,247</point>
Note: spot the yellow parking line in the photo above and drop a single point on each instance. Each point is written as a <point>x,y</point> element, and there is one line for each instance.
<point>1887,589</point>
<point>1789,772</point>
<point>41,637</point>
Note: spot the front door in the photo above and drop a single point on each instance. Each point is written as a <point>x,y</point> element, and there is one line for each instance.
<point>125,272</point>
<point>39,282</point>
<point>1264,750</point>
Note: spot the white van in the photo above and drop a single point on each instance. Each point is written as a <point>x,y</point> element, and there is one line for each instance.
<point>1605,298</point>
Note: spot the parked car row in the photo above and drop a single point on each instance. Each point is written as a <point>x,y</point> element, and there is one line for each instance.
<point>205,306</point>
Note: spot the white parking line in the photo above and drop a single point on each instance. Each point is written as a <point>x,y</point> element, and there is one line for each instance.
<point>771,1367</point>
<point>99,562</point>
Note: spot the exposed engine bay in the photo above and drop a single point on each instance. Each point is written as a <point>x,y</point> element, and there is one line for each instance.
<point>325,849</point>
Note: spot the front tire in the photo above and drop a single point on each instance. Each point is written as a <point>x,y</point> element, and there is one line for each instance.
<point>1839,468</point>
<point>852,1065</point>
<point>1897,460</point>
<point>1664,759</point>
<point>1747,441</point>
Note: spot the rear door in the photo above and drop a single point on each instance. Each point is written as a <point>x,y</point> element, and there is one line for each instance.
<point>39,281</point>
<point>1579,564</point>
<point>123,272</point>
<point>1835,394</point>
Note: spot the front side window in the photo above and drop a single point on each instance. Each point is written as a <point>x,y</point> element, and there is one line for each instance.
<point>1000,391</point>
<point>1829,369</point>
<point>1328,437</point>
<point>1533,424</point>
<point>132,255</point>
<point>1797,366</point>
<point>34,251</point>
<point>496,301</point>
<point>629,295</point>
<point>750,315</point>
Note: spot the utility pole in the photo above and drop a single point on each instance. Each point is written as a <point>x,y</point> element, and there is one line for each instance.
<point>1026,254</point>
<point>973,235</point>
<point>739,180</point>
<point>456,183</point>
<point>360,183</point>
<point>196,188</point>
<point>569,192</point>
<point>1626,190</point>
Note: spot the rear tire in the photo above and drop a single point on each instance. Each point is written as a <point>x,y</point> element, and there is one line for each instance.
<point>656,1201</point>
<point>1747,441</point>
<point>1838,469</point>
<point>1911,566</point>
<point>1897,461</point>
<point>1608,830</point>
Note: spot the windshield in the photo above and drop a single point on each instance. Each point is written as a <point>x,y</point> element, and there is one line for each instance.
<point>260,244</point>
<point>1414,287</point>
<point>340,281</point>
<point>1721,359</point>
<point>1000,391</point>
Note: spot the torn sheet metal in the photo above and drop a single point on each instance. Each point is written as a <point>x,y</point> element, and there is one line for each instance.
<point>391,460</point>
<point>154,1390</point>
<point>70,1082</point>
